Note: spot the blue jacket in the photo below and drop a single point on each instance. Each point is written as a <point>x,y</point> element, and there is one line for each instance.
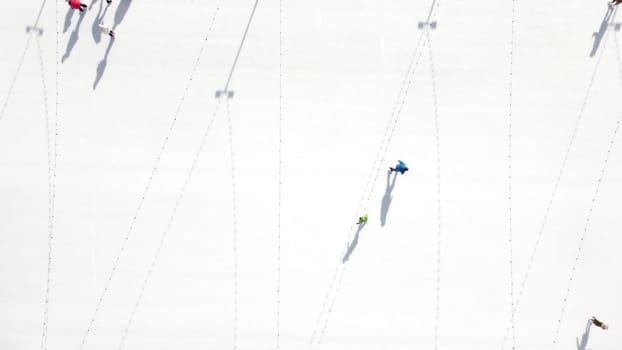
<point>401,167</point>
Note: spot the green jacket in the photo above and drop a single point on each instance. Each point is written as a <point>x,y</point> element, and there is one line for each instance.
<point>362,219</point>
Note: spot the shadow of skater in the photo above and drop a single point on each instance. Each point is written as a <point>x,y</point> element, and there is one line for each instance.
<point>101,67</point>
<point>353,244</point>
<point>598,36</point>
<point>584,338</point>
<point>387,198</point>
<point>73,39</point>
<point>98,19</point>
<point>119,15</point>
<point>67,20</point>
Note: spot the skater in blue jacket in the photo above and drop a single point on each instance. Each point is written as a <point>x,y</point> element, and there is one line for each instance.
<point>400,167</point>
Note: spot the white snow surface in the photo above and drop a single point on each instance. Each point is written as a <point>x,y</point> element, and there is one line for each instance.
<point>343,66</point>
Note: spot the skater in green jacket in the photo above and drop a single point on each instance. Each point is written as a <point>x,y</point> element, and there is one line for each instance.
<point>362,220</point>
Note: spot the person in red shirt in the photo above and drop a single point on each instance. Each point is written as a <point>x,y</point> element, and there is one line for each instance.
<point>76,5</point>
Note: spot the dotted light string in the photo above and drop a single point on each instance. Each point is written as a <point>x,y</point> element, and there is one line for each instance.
<point>438,191</point>
<point>150,180</point>
<point>51,155</point>
<point>343,269</point>
<point>330,290</point>
<point>169,224</point>
<point>556,184</point>
<point>372,179</point>
<point>584,233</point>
<point>280,189</point>
<point>21,62</point>
<point>393,122</point>
<point>386,139</point>
<point>510,225</point>
<point>235,229</point>
<point>591,210</point>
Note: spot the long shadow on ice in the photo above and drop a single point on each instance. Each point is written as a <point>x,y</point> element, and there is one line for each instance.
<point>119,15</point>
<point>68,19</point>
<point>101,67</point>
<point>598,36</point>
<point>101,13</point>
<point>73,39</point>
<point>352,245</point>
<point>584,338</point>
<point>387,198</point>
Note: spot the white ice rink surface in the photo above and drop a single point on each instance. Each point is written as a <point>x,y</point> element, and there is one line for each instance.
<point>215,282</point>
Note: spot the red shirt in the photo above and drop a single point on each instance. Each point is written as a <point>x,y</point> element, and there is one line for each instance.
<point>74,4</point>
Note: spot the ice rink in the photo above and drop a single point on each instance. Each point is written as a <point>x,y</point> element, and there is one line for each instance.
<point>195,182</point>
